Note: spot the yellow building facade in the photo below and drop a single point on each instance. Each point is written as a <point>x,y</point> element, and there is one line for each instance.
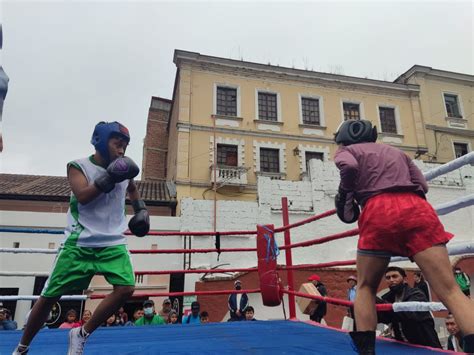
<point>232,121</point>
<point>447,107</point>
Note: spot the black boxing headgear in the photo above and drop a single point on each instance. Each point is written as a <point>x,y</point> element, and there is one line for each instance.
<point>353,132</point>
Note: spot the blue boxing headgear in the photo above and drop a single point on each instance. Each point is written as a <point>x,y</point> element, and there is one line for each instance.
<point>103,131</point>
<point>353,132</point>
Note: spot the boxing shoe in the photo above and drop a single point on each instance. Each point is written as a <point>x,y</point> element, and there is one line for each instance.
<point>77,340</point>
<point>21,350</point>
<point>468,344</point>
<point>364,342</point>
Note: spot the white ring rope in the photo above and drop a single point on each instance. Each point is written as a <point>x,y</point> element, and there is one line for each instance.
<point>418,307</point>
<point>451,206</point>
<point>24,273</point>
<point>28,251</point>
<point>34,298</point>
<point>450,166</point>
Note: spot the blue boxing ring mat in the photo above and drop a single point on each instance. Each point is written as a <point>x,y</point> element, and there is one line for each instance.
<point>259,337</point>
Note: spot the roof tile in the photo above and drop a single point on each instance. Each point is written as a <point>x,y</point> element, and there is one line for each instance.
<point>56,188</point>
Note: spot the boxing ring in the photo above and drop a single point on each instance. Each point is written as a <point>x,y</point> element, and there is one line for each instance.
<point>287,336</point>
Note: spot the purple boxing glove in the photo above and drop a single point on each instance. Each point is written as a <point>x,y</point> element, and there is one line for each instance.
<point>120,169</point>
<point>347,209</point>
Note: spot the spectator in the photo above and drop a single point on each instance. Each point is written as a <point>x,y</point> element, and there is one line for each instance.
<point>194,316</point>
<point>6,323</point>
<point>86,315</point>
<point>137,314</point>
<point>173,317</point>
<point>321,311</point>
<point>351,294</point>
<point>237,303</point>
<point>463,281</point>
<point>412,327</point>
<point>455,339</point>
<point>149,316</point>
<point>71,320</point>
<point>249,313</point>
<point>165,310</point>
<point>204,317</point>
<point>121,317</point>
<point>111,321</point>
<point>421,284</point>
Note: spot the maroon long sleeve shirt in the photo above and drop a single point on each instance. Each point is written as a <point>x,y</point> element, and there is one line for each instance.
<point>369,169</point>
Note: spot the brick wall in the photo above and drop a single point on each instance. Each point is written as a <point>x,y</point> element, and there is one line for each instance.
<point>333,279</point>
<point>155,147</point>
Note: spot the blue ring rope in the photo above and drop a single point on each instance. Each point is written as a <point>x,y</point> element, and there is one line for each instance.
<point>31,230</point>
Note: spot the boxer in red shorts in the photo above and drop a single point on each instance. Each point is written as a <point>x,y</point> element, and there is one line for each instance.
<point>396,220</point>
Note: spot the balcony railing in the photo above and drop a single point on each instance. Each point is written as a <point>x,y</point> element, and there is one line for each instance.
<point>230,175</point>
<point>273,176</point>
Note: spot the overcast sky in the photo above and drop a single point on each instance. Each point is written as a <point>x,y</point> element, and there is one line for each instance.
<point>72,64</point>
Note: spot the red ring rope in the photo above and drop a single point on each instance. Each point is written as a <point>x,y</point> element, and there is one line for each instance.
<point>336,301</point>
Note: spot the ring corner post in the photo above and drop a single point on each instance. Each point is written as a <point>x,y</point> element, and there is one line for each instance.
<point>289,258</point>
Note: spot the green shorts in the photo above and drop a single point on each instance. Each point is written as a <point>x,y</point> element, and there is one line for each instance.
<point>75,266</point>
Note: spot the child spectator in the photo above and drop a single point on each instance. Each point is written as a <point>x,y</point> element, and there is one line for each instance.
<point>173,317</point>
<point>71,320</point>
<point>121,317</point>
<point>137,314</point>
<point>110,322</point>
<point>204,317</point>
<point>249,313</point>
<point>86,315</point>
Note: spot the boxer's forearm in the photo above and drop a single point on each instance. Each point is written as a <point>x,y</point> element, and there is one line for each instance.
<point>82,190</point>
<point>132,191</point>
<point>87,194</point>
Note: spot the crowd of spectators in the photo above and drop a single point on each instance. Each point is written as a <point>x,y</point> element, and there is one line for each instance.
<point>142,316</point>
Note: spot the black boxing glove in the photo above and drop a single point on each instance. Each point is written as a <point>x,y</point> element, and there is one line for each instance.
<point>347,209</point>
<point>140,223</point>
<point>120,169</point>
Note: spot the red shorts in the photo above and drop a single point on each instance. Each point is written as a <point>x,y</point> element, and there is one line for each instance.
<point>399,223</point>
